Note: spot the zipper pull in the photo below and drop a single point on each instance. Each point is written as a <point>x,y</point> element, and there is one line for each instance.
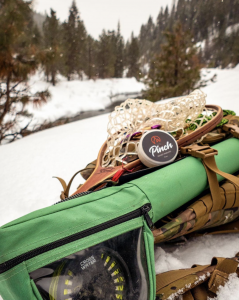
<point>145,209</point>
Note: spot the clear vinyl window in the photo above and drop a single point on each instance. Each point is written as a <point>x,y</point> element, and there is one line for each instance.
<point>114,269</point>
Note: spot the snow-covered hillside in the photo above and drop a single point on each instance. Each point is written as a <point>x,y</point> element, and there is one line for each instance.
<point>69,98</point>
<point>27,167</point>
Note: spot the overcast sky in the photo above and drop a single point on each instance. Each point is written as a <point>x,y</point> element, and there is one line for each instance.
<point>105,14</point>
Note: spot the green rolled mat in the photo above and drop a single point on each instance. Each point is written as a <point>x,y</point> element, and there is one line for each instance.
<point>178,183</point>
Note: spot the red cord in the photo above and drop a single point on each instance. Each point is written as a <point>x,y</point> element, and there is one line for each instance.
<point>120,172</point>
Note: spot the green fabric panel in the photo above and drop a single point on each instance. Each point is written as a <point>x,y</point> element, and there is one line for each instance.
<point>15,284</point>
<point>149,247</point>
<point>35,290</point>
<point>176,184</point>
<point>166,189</point>
<point>110,192</point>
<point>54,223</point>
<point>94,239</point>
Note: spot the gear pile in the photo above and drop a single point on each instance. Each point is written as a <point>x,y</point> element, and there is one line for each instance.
<point>132,118</point>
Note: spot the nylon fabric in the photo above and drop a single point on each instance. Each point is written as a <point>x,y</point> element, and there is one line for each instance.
<point>214,187</point>
<point>211,164</point>
<point>20,280</point>
<point>64,219</point>
<point>200,208</point>
<point>220,274</point>
<point>207,202</point>
<point>200,217</point>
<point>229,191</point>
<point>180,282</point>
<point>149,241</point>
<point>207,155</point>
<point>199,292</point>
<point>232,227</point>
<point>94,239</point>
<point>188,296</point>
<point>164,279</point>
<point>169,182</point>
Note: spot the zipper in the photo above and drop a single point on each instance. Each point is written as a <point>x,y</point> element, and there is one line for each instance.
<point>142,211</point>
<point>75,196</point>
<point>79,195</point>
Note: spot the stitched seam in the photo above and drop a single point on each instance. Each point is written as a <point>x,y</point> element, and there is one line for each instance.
<point>149,261</point>
<point>53,254</point>
<point>69,207</point>
<point>69,233</point>
<point>117,232</point>
<point>145,196</point>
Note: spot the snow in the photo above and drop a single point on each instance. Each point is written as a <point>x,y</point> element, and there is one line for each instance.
<point>69,98</point>
<point>231,290</point>
<point>199,251</point>
<point>201,44</point>
<point>225,90</point>
<point>27,165</point>
<point>231,29</point>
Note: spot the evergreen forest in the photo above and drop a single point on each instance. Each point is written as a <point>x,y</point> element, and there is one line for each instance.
<point>208,29</point>
<point>167,55</point>
<point>67,48</point>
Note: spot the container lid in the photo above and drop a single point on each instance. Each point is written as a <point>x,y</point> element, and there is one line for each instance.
<point>156,148</point>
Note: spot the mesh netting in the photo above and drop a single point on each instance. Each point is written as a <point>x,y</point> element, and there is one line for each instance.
<point>132,118</point>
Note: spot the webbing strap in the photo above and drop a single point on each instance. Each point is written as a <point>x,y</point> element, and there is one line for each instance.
<point>199,293</point>
<point>207,155</point>
<point>66,187</point>
<point>232,227</point>
<point>220,274</point>
<point>188,296</point>
<point>233,129</point>
<point>180,282</point>
<point>212,169</point>
<point>214,188</point>
<point>167,278</point>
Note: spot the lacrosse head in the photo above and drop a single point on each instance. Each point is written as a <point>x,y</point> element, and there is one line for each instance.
<point>132,118</point>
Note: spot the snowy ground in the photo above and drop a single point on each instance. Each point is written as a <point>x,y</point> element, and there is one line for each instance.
<point>69,98</point>
<point>27,167</point>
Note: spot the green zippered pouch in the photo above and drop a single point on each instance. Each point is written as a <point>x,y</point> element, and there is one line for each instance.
<point>100,246</point>
<point>65,252</point>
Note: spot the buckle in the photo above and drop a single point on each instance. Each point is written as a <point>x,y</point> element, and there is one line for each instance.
<point>199,151</point>
<point>233,129</point>
<point>217,278</point>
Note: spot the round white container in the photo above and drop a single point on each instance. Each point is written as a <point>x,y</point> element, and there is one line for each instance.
<point>156,148</point>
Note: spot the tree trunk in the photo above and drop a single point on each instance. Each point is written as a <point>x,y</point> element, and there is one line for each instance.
<point>53,78</point>
<point>7,104</point>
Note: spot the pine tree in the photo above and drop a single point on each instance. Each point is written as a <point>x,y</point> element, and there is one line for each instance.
<point>90,68</point>
<point>82,36</point>
<point>74,43</point>
<point>119,63</point>
<point>148,34</point>
<point>133,58</point>
<point>106,54</point>
<point>176,70</point>
<point>18,59</point>
<point>208,20</point>
<point>52,55</point>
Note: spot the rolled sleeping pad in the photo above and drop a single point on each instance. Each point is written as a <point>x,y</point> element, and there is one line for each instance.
<point>172,186</point>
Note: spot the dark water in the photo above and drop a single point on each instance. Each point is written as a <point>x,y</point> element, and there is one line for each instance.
<point>116,100</point>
